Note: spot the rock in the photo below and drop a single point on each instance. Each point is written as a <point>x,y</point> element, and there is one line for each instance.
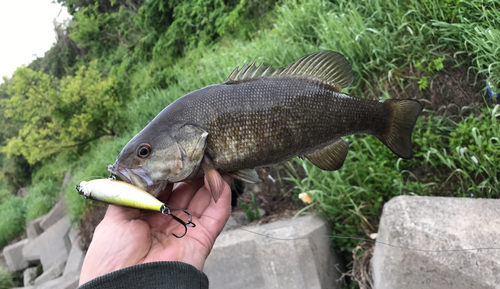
<point>239,217</point>
<point>68,282</point>
<point>57,213</point>
<point>22,192</point>
<point>417,227</point>
<point>75,261</point>
<point>3,263</point>
<point>14,256</point>
<point>231,223</point>
<point>66,180</point>
<point>33,228</point>
<point>73,237</point>
<point>51,273</point>
<point>299,257</point>
<point>51,247</point>
<point>29,276</point>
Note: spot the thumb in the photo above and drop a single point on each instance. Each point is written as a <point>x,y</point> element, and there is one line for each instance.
<point>117,213</point>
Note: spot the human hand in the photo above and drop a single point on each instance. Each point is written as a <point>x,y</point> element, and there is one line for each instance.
<point>128,237</point>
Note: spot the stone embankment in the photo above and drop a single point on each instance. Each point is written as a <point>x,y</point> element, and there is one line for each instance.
<point>425,242</point>
<point>51,243</point>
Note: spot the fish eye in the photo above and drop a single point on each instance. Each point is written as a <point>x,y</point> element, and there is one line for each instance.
<point>144,150</point>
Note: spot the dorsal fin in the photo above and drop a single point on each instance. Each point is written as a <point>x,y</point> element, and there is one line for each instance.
<point>248,72</point>
<point>327,66</point>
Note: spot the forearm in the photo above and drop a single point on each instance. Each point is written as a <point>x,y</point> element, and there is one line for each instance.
<point>154,275</point>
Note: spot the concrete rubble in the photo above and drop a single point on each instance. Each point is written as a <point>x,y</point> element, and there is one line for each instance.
<point>13,255</point>
<point>53,244</point>
<point>29,276</point>
<point>57,213</point>
<point>432,244</point>
<point>51,247</point>
<point>286,254</point>
<point>297,253</point>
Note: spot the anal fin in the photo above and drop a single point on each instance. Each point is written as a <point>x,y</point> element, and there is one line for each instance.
<point>247,175</point>
<point>214,179</point>
<point>331,157</point>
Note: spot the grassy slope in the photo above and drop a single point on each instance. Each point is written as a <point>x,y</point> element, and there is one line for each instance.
<point>380,39</point>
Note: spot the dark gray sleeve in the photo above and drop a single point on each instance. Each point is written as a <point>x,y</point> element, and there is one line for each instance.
<point>152,275</point>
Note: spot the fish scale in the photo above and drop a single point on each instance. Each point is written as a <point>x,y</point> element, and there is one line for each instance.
<point>299,120</point>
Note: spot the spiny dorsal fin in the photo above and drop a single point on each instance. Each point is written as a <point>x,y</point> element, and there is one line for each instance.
<point>248,72</point>
<point>327,66</point>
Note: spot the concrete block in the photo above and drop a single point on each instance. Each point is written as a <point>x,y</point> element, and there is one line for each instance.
<point>69,282</point>
<point>51,247</point>
<point>13,255</point>
<point>51,273</point>
<point>73,236</point>
<point>23,192</point>
<point>55,214</point>
<point>29,276</point>
<point>66,180</point>
<point>420,226</point>
<point>33,228</point>
<point>231,223</point>
<point>292,254</point>
<point>75,261</point>
<point>3,263</point>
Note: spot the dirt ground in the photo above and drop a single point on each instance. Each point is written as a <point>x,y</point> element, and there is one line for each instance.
<point>452,91</point>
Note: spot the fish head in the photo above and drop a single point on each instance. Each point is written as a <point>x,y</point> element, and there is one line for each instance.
<point>157,156</point>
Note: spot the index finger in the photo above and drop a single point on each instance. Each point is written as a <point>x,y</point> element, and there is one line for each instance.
<point>213,215</point>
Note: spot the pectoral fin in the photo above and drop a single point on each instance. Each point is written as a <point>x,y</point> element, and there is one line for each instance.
<point>215,181</point>
<point>331,157</point>
<point>247,175</point>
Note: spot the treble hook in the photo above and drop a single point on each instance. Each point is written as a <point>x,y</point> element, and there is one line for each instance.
<point>166,211</point>
<point>189,223</point>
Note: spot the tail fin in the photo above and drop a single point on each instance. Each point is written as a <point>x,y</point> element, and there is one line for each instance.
<point>397,136</point>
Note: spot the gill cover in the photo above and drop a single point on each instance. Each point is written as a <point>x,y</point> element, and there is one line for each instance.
<point>178,156</point>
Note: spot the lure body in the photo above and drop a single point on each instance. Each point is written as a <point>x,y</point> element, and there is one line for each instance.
<point>119,193</point>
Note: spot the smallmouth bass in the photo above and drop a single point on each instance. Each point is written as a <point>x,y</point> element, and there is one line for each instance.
<point>262,116</point>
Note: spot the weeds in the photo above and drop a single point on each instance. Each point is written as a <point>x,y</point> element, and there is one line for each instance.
<point>473,154</point>
<point>251,210</point>
<point>6,279</point>
<point>12,219</point>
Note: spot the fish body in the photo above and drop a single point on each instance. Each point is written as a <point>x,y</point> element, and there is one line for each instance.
<point>260,117</point>
<point>119,193</point>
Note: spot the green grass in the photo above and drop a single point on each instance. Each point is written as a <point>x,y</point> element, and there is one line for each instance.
<point>41,198</point>
<point>6,279</point>
<point>474,152</point>
<point>12,219</point>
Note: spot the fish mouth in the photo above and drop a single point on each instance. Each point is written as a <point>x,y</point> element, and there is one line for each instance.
<point>139,178</point>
